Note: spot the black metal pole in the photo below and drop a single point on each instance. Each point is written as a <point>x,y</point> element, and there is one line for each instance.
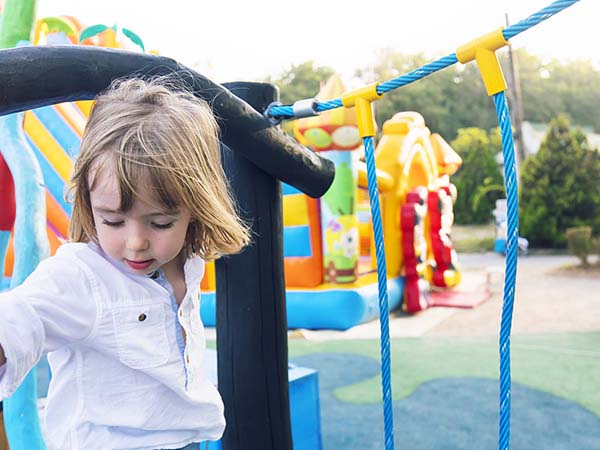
<point>32,76</point>
<point>251,312</point>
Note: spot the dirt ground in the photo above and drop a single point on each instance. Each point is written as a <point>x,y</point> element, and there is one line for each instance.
<point>551,296</point>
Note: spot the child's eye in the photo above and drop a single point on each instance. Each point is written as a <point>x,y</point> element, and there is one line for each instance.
<point>162,226</point>
<point>112,224</point>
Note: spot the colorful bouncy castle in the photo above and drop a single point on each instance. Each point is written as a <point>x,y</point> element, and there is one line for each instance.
<point>54,133</point>
<point>39,148</point>
<point>328,242</point>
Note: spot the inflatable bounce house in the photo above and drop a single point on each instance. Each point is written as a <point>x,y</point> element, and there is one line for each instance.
<point>54,132</point>
<point>329,259</point>
<point>40,146</point>
<point>328,242</point>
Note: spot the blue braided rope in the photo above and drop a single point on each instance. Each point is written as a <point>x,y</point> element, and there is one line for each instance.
<point>286,111</point>
<point>417,74</point>
<point>386,385</point>
<point>512,234</point>
<point>510,277</point>
<point>331,104</point>
<point>537,17</point>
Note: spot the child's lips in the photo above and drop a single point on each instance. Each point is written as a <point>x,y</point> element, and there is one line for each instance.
<point>139,265</point>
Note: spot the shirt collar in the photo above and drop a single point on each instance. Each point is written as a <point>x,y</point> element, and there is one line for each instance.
<point>193,270</point>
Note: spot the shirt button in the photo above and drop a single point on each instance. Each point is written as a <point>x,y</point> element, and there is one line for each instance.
<point>142,317</point>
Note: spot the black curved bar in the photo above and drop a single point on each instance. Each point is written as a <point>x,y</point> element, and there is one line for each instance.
<point>31,77</point>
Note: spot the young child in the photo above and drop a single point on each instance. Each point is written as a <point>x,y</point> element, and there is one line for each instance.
<point>117,309</point>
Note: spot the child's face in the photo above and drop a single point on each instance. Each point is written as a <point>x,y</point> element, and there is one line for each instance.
<point>146,237</point>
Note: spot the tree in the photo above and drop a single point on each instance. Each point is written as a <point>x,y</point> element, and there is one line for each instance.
<point>455,97</point>
<point>551,87</point>
<point>448,100</point>
<point>478,181</point>
<point>560,187</point>
<point>301,81</point>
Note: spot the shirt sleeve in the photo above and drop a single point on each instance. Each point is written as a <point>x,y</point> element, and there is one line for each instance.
<point>53,307</point>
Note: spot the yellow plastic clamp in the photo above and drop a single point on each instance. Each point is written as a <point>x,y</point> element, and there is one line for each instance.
<point>483,50</point>
<point>361,98</point>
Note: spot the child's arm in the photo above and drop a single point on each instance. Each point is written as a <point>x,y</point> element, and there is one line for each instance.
<point>53,307</point>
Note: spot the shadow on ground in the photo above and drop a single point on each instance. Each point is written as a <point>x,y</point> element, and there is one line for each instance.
<point>447,414</point>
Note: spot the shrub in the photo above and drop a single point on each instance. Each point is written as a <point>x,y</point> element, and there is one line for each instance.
<point>560,187</point>
<point>479,181</point>
<point>580,243</point>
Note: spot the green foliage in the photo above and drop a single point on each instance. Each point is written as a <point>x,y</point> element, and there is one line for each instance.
<point>473,244</point>
<point>301,81</point>
<point>559,187</point>
<point>580,243</point>
<point>551,87</point>
<point>596,124</point>
<point>448,100</point>
<point>455,97</point>
<point>478,181</point>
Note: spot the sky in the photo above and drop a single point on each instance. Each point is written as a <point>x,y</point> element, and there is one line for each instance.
<point>239,40</point>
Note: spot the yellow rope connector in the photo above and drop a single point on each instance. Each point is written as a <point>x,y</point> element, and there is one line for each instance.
<point>483,50</point>
<point>362,98</point>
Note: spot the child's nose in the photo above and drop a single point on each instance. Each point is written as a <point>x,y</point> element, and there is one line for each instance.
<point>136,241</point>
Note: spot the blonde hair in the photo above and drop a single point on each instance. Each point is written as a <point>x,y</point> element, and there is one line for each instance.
<point>144,128</point>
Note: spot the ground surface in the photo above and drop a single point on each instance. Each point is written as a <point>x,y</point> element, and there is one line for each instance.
<point>550,297</point>
<point>445,365</point>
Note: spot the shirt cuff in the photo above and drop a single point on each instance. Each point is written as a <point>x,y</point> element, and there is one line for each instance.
<point>21,337</point>
<point>6,388</point>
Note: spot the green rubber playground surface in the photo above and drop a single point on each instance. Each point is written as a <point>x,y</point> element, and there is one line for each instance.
<point>445,391</point>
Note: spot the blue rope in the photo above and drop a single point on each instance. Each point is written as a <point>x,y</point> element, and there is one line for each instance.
<point>386,385</point>
<point>331,104</point>
<point>536,18</point>
<point>510,175</point>
<point>510,277</point>
<point>417,74</point>
<point>286,111</point>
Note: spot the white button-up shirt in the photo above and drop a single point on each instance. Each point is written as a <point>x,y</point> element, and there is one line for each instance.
<point>119,378</point>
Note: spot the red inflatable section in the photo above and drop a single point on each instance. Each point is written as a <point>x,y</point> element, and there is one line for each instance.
<point>7,197</point>
<point>412,215</point>
<point>439,204</point>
